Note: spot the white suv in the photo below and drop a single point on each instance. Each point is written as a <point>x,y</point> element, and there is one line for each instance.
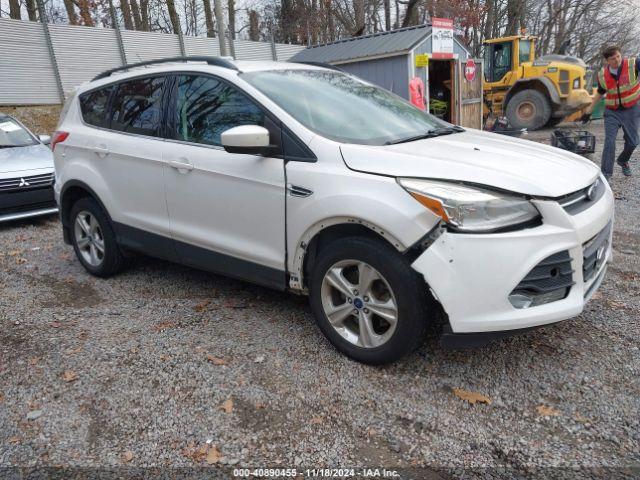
<point>307,179</point>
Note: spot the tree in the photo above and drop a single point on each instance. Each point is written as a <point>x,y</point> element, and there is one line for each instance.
<point>173,16</point>
<point>208,17</point>
<point>254,25</point>
<point>14,10</point>
<point>231,5</point>
<point>126,14</point>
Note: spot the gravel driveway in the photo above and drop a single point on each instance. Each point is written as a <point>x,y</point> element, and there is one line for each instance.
<point>164,366</point>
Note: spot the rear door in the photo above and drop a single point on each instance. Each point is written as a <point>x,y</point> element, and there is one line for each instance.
<point>127,154</point>
<point>227,211</point>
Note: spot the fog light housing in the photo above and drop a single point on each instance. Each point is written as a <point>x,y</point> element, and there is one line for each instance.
<point>522,300</point>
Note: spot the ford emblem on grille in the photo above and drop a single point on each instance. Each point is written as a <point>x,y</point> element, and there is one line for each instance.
<point>592,189</point>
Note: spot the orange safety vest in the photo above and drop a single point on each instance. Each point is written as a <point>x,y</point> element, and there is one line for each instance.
<point>626,90</point>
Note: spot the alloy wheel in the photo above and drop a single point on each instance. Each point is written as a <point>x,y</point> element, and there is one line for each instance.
<point>89,238</point>
<point>359,303</point>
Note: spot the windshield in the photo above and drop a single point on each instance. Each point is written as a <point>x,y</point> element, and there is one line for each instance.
<point>12,134</point>
<point>343,108</point>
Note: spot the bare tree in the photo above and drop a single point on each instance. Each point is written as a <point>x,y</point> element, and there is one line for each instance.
<point>208,18</point>
<point>135,13</point>
<point>173,16</point>
<point>126,14</point>
<point>14,10</point>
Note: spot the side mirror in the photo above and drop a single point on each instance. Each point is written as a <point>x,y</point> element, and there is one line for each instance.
<point>248,139</point>
<point>46,139</point>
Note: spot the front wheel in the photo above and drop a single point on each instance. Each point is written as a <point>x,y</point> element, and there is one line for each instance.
<point>368,301</point>
<point>528,109</point>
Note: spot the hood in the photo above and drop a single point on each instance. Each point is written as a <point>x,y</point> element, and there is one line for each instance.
<point>478,157</point>
<point>20,159</point>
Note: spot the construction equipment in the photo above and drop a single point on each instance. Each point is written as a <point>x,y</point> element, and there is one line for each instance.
<point>531,93</point>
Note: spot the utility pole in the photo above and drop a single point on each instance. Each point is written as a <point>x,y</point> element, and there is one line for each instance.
<point>220,24</point>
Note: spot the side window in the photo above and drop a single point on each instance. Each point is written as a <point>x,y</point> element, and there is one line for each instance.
<point>93,106</point>
<point>525,51</point>
<point>137,106</point>
<point>206,107</point>
<point>501,60</point>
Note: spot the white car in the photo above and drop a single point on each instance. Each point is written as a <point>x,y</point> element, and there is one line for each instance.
<point>26,172</point>
<point>307,179</point>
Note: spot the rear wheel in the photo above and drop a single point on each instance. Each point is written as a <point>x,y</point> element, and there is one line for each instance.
<point>368,301</point>
<point>93,239</point>
<point>528,109</point>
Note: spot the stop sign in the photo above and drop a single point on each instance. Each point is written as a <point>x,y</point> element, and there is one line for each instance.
<point>470,70</point>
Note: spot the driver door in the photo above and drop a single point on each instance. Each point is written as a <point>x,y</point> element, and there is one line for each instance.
<point>226,211</point>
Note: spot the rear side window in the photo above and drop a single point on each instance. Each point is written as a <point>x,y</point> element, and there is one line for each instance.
<point>206,107</point>
<point>94,106</point>
<point>137,106</point>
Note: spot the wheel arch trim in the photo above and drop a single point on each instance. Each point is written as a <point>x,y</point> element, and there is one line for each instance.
<point>80,184</point>
<point>296,274</point>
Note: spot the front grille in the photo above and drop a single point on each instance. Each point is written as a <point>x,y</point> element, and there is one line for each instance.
<point>564,82</point>
<point>549,281</point>
<point>579,201</point>
<point>26,183</point>
<point>595,253</point>
<point>550,274</point>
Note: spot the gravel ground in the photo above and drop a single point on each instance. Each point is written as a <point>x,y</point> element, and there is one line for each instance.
<point>164,366</point>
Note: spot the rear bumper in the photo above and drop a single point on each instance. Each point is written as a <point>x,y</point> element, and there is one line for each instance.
<point>472,276</point>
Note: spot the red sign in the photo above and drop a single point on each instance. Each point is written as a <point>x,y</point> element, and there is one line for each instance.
<point>470,70</point>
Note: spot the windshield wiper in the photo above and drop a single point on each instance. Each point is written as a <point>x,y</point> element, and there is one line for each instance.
<point>434,132</point>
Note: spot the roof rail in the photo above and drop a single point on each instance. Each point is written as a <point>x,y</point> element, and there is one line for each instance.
<point>320,64</point>
<point>216,61</point>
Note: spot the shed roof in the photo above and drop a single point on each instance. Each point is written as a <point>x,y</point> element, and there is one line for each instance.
<point>382,43</point>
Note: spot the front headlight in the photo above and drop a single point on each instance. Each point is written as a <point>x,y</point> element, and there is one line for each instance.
<point>470,209</point>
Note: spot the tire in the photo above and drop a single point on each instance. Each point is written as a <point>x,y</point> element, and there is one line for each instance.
<point>87,238</point>
<point>528,109</point>
<point>406,289</point>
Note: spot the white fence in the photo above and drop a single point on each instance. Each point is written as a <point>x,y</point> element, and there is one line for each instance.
<point>28,74</point>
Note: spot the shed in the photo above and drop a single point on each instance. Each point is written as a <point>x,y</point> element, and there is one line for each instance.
<point>391,59</point>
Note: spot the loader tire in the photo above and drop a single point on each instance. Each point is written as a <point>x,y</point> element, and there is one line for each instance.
<point>528,109</point>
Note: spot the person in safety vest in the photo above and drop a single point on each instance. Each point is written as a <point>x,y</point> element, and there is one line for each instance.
<point>619,83</point>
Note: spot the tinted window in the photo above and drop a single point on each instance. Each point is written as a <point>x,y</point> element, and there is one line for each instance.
<point>94,106</point>
<point>137,106</point>
<point>206,107</point>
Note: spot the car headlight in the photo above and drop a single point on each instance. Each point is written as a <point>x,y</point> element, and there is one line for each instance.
<point>470,209</point>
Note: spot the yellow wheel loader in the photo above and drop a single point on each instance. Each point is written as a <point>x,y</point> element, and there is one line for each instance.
<point>532,93</point>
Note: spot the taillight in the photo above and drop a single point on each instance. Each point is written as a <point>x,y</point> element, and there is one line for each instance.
<point>58,137</point>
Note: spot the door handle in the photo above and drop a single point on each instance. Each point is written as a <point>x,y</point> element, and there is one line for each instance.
<point>182,167</point>
<point>101,150</point>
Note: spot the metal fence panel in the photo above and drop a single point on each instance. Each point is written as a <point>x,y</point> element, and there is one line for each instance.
<point>285,51</point>
<point>248,50</point>
<point>26,73</point>
<point>143,46</point>
<point>83,52</point>
<point>202,46</point>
